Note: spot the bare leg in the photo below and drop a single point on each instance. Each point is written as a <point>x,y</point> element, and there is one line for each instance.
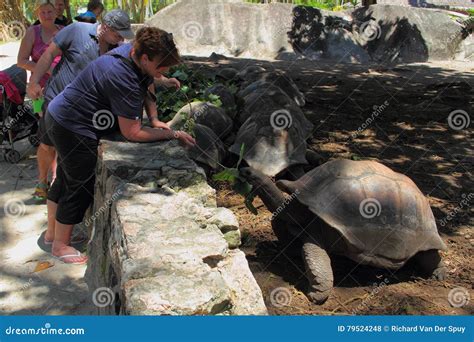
<point>62,238</point>
<point>45,155</point>
<point>50,232</point>
<point>54,165</point>
<point>318,270</point>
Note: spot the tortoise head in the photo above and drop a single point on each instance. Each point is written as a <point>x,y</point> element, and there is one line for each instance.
<point>263,186</point>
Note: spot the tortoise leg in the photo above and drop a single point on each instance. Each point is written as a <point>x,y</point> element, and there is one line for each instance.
<point>318,270</point>
<point>430,264</point>
<point>288,243</point>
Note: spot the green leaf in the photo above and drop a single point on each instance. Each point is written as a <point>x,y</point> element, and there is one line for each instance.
<point>180,75</point>
<point>184,89</point>
<point>242,187</point>
<point>217,103</point>
<point>228,175</point>
<point>213,97</point>
<point>355,157</point>
<point>241,155</point>
<point>249,203</point>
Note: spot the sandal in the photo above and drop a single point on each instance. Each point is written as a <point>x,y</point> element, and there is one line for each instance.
<point>78,254</point>
<point>41,192</point>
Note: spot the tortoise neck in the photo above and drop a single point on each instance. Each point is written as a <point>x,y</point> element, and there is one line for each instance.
<point>271,196</point>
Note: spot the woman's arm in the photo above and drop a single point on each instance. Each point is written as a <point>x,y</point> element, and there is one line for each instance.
<point>152,112</point>
<point>26,46</point>
<point>132,130</point>
<point>42,67</point>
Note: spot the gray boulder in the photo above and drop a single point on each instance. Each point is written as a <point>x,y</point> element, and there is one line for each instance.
<point>404,34</point>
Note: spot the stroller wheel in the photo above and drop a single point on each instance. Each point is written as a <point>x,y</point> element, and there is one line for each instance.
<point>34,140</point>
<point>12,156</point>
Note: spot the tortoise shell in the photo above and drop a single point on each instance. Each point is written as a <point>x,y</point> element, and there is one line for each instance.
<point>383,216</point>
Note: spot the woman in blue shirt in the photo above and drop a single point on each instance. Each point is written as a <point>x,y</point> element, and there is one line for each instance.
<point>109,94</point>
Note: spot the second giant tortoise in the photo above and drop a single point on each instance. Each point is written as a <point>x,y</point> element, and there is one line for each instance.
<point>359,209</point>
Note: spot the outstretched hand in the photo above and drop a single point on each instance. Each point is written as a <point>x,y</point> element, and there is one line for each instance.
<point>172,82</point>
<point>34,91</point>
<point>185,138</point>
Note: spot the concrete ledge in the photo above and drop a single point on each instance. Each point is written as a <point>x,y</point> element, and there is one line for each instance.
<point>159,242</point>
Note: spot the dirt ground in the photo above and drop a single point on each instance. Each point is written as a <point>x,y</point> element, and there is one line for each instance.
<point>411,136</point>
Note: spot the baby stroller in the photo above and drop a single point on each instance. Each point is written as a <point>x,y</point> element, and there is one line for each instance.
<point>17,120</point>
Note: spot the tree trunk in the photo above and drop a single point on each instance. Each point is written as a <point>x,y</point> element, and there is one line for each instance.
<point>68,10</point>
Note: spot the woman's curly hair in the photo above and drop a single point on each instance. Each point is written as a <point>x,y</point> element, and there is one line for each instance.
<point>154,42</point>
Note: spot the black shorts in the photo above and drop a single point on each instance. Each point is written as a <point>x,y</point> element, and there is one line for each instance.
<point>73,188</point>
<point>42,133</point>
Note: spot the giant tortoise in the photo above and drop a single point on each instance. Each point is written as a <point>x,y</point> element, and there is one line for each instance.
<point>359,209</point>
<point>274,137</point>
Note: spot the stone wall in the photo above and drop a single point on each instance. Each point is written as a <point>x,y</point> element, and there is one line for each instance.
<point>159,242</point>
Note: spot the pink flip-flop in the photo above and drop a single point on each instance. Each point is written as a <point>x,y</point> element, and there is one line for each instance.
<point>78,254</point>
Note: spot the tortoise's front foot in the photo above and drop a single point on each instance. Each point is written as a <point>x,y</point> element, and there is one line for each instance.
<point>318,297</point>
<point>318,271</point>
<point>440,273</point>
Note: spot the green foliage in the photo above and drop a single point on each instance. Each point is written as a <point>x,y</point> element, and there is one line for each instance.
<point>169,100</point>
<point>239,184</point>
<point>193,86</point>
<point>330,5</point>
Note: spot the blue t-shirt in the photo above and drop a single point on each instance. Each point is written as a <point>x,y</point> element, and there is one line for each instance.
<point>107,88</point>
<point>79,45</point>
